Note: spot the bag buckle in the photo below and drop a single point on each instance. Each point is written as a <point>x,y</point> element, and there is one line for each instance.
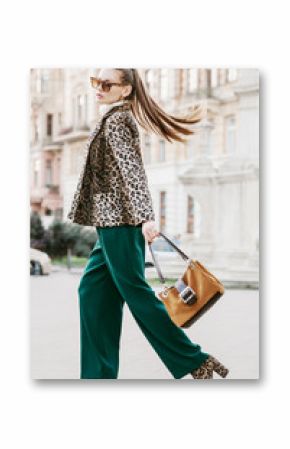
<point>186,293</point>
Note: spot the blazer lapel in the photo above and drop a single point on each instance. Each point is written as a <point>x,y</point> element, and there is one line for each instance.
<point>98,126</point>
<point>124,106</point>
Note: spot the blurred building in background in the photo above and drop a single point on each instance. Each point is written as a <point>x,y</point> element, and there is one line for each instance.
<point>205,192</point>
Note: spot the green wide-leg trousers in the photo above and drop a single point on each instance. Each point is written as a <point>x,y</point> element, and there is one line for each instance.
<point>115,273</point>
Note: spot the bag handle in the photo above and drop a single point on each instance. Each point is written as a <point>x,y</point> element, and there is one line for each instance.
<point>156,264</point>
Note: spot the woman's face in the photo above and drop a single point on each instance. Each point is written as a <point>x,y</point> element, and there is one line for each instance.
<point>116,92</point>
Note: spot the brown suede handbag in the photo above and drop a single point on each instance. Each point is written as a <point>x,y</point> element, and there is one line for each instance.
<point>195,292</point>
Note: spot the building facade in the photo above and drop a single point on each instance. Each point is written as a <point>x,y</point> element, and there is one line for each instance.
<point>46,115</point>
<point>205,191</point>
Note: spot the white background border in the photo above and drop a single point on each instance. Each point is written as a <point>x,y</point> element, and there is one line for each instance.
<point>136,414</point>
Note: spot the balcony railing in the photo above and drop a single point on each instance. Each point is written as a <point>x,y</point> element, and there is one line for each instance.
<point>52,188</point>
<point>71,129</point>
<point>47,140</point>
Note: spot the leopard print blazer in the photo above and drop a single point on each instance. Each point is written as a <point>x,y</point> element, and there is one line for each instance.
<point>112,188</point>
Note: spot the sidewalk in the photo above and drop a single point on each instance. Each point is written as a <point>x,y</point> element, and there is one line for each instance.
<point>229,331</point>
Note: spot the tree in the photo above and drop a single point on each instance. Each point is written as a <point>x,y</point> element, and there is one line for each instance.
<point>85,243</point>
<point>72,236</point>
<point>61,239</point>
<point>57,239</point>
<point>37,230</point>
<point>38,235</point>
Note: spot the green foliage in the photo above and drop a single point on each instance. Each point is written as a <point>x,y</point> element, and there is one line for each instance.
<point>79,262</point>
<point>57,239</point>
<point>61,237</point>
<point>38,235</point>
<point>85,243</point>
<point>37,230</point>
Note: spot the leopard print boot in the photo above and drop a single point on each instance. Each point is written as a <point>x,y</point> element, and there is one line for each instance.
<point>205,371</point>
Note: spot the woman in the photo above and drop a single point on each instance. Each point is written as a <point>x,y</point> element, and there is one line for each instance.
<point>113,196</point>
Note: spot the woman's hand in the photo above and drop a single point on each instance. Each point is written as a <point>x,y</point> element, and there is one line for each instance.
<point>150,231</point>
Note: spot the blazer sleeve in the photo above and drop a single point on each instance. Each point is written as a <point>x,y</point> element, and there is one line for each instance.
<point>124,144</point>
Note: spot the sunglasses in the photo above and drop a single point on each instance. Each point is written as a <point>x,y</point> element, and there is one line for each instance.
<point>105,85</point>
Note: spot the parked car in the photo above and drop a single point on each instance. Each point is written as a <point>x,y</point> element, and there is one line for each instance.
<point>163,251</point>
<point>40,262</point>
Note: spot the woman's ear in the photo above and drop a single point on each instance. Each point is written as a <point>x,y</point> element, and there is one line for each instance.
<point>127,90</point>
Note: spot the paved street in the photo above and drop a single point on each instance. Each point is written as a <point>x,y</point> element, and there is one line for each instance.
<point>229,331</point>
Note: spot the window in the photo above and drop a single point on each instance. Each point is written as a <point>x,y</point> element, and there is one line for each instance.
<point>38,82</point>
<point>58,213</point>
<point>191,80</point>
<point>193,217</point>
<point>85,116</point>
<point>149,79</point>
<point>147,148</point>
<point>231,75</point>
<point>214,78</point>
<point>190,214</point>
<point>173,82</point>
<point>161,157</point>
<point>207,136</point>
<point>43,82</point>
<point>36,131</point>
<point>162,211</point>
<point>36,172</point>
<point>230,137</point>
<point>222,76</point>
<point>48,172</point>
<point>164,84</point>
<point>80,105</point>
<point>47,211</point>
<point>49,122</point>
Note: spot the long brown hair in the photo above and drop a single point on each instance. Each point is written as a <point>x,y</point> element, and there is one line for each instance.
<point>151,116</point>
